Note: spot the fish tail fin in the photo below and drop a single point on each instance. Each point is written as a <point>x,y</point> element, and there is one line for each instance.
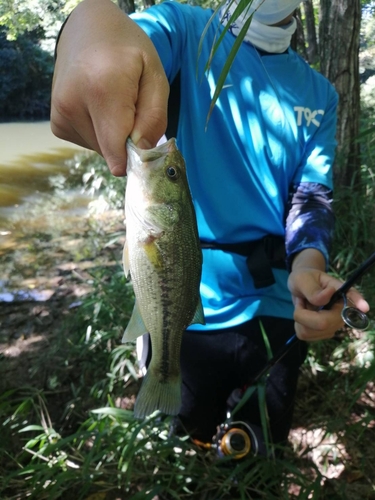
<point>156,395</point>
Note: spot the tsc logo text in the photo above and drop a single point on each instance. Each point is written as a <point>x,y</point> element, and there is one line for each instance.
<point>307,115</point>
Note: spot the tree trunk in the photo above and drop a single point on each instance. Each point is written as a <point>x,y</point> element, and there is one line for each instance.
<point>339,48</point>
<point>312,43</point>
<point>148,3</point>
<point>127,6</point>
<point>298,39</point>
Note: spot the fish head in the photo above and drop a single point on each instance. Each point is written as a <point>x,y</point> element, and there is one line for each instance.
<point>158,176</point>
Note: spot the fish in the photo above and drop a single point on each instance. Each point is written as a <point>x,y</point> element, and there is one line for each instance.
<point>163,259</point>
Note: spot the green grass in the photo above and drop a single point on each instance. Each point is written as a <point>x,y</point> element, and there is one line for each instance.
<point>74,435</point>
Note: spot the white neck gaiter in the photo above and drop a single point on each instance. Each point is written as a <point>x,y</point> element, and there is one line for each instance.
<point>273,39</point>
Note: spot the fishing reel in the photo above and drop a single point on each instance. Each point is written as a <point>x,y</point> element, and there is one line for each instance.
<point>237,439</point>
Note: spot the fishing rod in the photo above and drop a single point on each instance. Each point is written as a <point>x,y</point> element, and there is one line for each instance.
<point>240,438</point>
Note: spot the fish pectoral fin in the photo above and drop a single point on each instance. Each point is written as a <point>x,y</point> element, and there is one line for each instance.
<point>199,314</point>
<point>153,253</point>
<point>144,219</point>
<point>136,326</point>
<point>125,260</point>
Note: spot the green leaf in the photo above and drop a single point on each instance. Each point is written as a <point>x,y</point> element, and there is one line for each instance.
<point>242,5</point>
<point>114,412</point>
<point>264,414</point>
<point>204,33</point>
<point>240,8</point>
<point>366,132</point>
<point>32,428</point>
<point>142,495</point>
<point>247,394</point>
<point>266,341</point>
<point>227,66</point>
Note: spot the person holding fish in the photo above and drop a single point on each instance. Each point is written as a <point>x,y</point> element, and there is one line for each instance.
<point>259,167</point>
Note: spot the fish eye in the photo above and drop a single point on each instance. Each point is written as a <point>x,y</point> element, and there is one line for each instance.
<point>172,172</point>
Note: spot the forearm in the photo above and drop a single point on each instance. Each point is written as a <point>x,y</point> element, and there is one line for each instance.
<point>310,220</point>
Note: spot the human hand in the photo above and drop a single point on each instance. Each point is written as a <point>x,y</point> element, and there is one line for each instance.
<point>312,289</point>
<point>108,84</point>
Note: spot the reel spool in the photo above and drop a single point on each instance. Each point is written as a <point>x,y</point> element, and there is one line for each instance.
<point>236,440</point>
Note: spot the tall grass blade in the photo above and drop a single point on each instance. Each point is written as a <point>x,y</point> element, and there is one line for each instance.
<point>227,65</point>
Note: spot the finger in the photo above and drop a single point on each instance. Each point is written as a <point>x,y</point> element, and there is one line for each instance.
<point>307,335</point>
<point>319,320</point>
<point>112,134</point>
<point>321,296</point>
<point>321,293</point>
<point>70,119</point>
<point>316,287</point>
<point>357,300</point>
<point>111,111</point>
<point>150,121</point>
<point>317,325</point>
<point>65,131</point>
<point>137,109</point>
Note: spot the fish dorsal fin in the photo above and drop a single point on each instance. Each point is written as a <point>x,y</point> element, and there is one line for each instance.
<point>199,314</point>
<point>136,326</point>
<point>125,259</point>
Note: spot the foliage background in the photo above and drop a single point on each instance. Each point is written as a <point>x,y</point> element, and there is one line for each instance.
<point>28,30</point>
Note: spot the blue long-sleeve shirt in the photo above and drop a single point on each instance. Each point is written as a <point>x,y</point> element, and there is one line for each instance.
<point>272,128</point>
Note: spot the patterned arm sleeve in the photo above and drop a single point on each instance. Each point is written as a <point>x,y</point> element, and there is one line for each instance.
<point>310,220</point>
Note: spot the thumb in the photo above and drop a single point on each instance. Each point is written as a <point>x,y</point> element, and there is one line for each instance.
<point>313,286</point>
<point>320,296</point>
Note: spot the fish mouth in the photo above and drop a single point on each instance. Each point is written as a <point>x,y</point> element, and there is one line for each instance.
<point>146,155</point>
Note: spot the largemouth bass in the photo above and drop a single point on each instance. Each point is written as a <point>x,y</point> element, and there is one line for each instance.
<point>162,254</point>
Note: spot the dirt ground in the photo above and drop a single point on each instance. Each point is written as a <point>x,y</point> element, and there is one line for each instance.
<point>27,328</point>
<point>44,276</point>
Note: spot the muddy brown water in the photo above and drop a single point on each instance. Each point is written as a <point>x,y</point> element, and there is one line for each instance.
<point>32,162</point>
<point>29,156</point>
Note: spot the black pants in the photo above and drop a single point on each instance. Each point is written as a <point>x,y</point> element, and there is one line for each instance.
<point>215,363</point>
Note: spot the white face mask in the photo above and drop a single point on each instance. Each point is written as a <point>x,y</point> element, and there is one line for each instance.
<point>273,39</point>
<point>272,11</point>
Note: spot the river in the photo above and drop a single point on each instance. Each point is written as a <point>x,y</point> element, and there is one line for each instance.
<point>29,155</point>
<point>36,194</point>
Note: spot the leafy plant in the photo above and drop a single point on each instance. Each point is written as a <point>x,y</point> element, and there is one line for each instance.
<point>26,78</point>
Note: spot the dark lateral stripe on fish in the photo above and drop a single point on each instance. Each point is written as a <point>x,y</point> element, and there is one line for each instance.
<point>165,304</point>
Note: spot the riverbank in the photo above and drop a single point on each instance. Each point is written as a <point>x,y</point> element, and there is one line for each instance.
<point>51,242</point>
<point>44,279</point>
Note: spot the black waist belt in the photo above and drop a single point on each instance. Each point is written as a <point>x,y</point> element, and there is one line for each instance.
<point>262,255</point>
